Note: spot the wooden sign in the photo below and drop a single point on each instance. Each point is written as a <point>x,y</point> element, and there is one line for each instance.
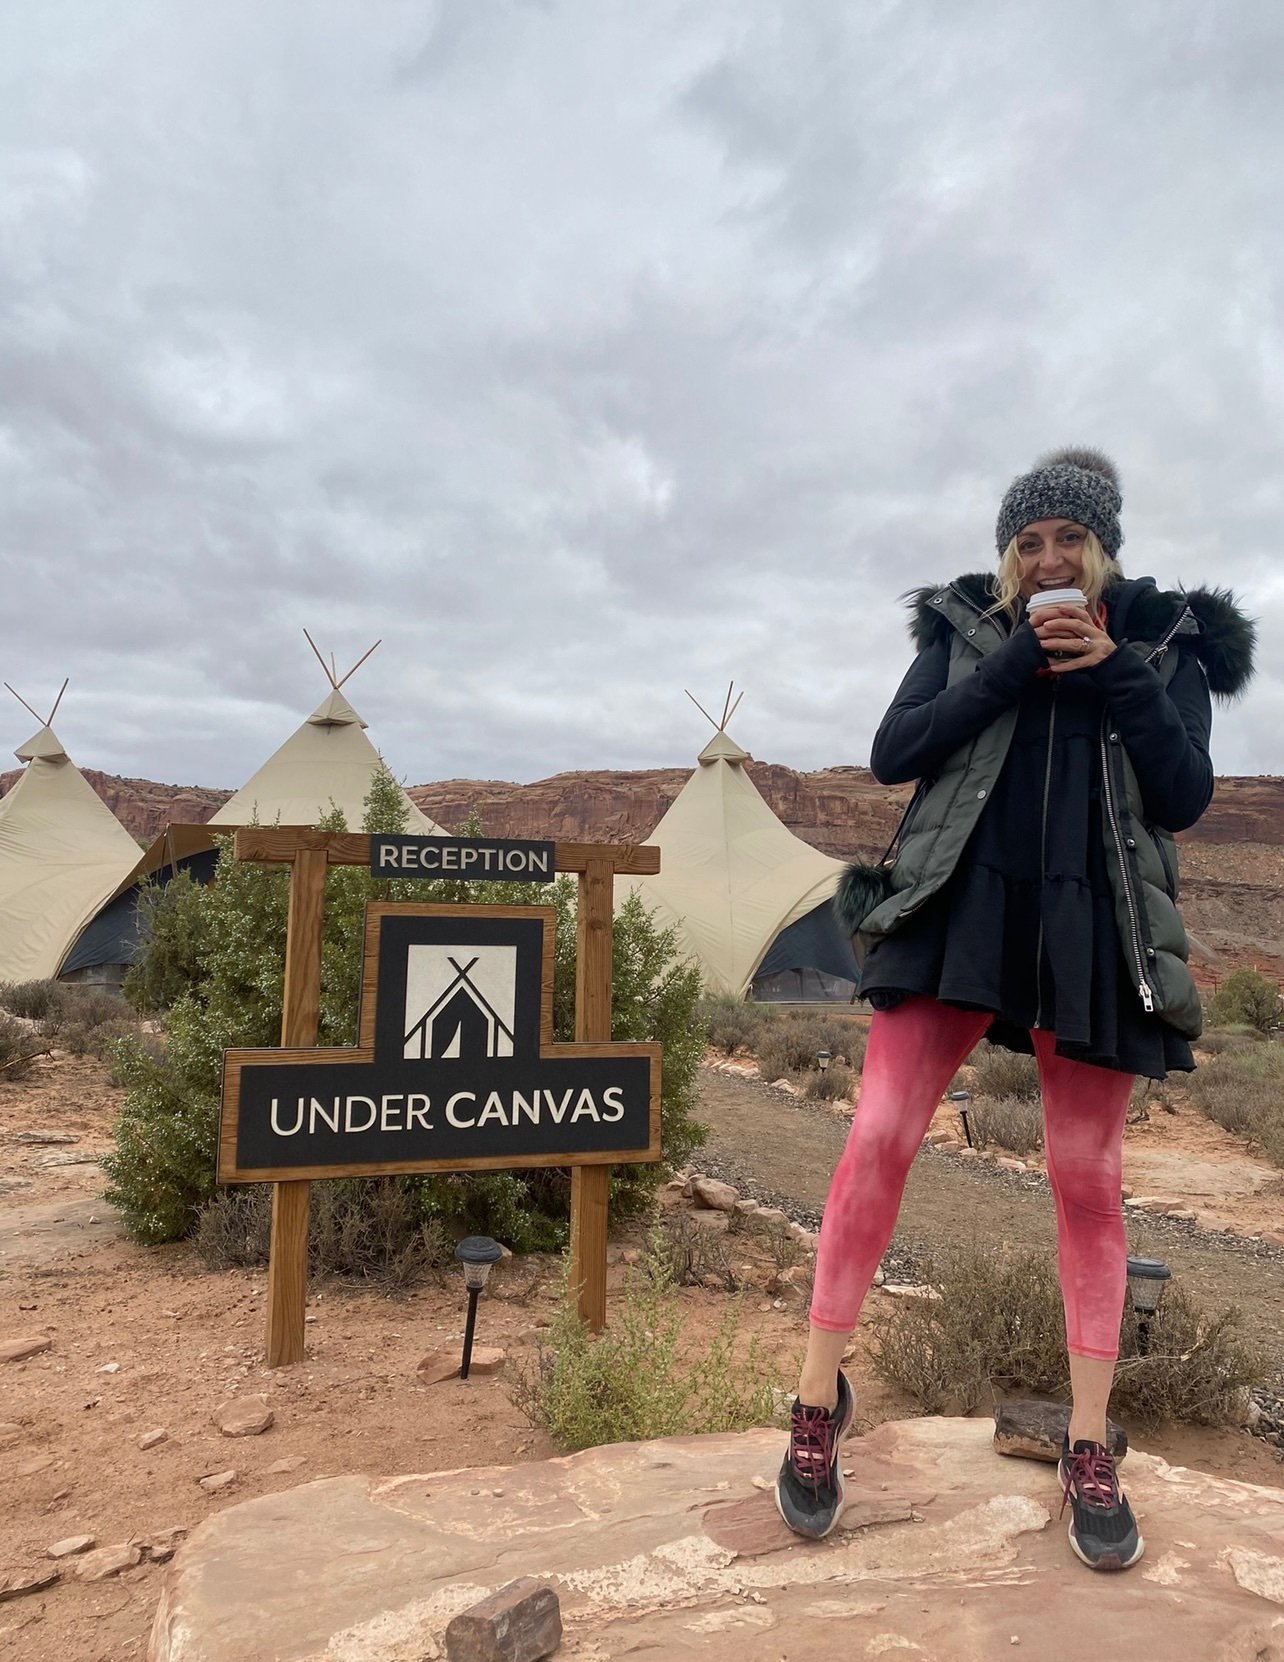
<point>478,859</point>
<point>455,1068</point>
<point>309,853</point>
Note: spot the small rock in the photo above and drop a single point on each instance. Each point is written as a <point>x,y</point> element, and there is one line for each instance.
<point>907,1289</point>
<point>16,1582</point>
<point>773,1215</point>
<point>880,1276</point>
<point>1008,1162</point>
<point>951,1145</point>
<point>161,1544</point>
<point>439,1365</point>
<point>18,1350</point>
<point>243,1417</point>
<point>704,1217</point>
<point>747,1208</point>
<point>215,1482</point>
<point>31,1468</point>
<point>71,1546</point>
<point>108,1367</point>
<point>107,1562</point>
<point>520,1623</point>
<point>969,1154</point>
<point>45,1137</point>
<point>708,1191</point>
<point>486,1359</point>
<point>287,1463</point>
<point>150,1439</point>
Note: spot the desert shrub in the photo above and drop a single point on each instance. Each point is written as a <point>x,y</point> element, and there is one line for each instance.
<point>368,1229</point>
<point>831,1083</point>
<point>998,1327</point>
<point>733,1024</point>
<point>1004,1073</point>
<point>1243,1090</point>
<point>789,1044</point>
<point>33,1000</point>
<point>1246,997</point>
<point>20,1045</point>
<point>171,923</point>
<point>1011,1122</point>
<point>681,1253</point>
<point>634,1381</point>
<point>1216,1041</point>
<point>234,1230</point>
<point>161,1171</point>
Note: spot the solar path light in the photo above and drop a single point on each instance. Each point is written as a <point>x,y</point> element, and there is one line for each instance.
<point>476,1253</point>
<point>823,1059</point>
<point>1147,1280</point>
<point>963,1098</point>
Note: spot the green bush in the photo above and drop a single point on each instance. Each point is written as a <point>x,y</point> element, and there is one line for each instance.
<point>998,1328</point>
<point>1243,1090</point>
<point>171,918</point>
<point>634,1381</point>
<point>221,952</point>
<point>1246,997</point>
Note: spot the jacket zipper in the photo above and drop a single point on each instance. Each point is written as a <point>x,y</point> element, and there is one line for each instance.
<point>1144,990</point>
<point>1043,854</point>
<point>1143,986</point>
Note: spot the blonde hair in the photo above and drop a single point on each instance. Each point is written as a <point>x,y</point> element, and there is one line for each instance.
<point>1099,568</point>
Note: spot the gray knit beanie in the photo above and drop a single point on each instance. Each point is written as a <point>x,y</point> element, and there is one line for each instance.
<point>1081,485</point>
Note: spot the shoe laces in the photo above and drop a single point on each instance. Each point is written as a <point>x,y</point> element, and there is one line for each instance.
<point>1089,1477</point>
<point>811,1444</point>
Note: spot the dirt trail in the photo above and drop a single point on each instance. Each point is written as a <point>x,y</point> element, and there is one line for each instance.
<point>780,1146</point>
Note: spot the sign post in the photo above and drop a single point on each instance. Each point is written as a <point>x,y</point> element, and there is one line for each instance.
<point>412,1096</point>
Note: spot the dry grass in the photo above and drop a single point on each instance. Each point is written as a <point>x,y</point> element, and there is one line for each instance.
<point>788,1045</point>
<point>998,1073</point>
<point>1243,1090</point>
<point>1009,1122</point>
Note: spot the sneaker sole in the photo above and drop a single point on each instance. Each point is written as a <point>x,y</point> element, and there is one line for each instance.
<point>1108,1561</point>
<point>820,1534</point>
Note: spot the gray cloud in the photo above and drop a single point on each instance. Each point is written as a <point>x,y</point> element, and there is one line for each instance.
<point>586,352</point>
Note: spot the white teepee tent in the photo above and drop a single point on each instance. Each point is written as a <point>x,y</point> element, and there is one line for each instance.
<point>327,763</point>
<point>732,876</point>
<point>62,852</point>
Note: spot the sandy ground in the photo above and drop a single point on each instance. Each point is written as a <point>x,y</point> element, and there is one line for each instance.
<point>145,1339</point>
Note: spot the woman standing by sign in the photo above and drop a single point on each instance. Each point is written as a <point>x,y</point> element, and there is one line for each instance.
<point>1057,718</point>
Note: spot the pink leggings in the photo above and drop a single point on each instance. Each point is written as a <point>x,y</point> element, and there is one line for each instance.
<point>912,1054</point>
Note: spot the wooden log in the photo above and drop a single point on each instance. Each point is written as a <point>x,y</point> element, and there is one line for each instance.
<point>1036,1430</point>
<point>590,1185</point>
<point>520,1623</point>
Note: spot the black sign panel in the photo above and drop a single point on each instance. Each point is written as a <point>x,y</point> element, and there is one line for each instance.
<point>456,1068</point>
<point>484,859</point>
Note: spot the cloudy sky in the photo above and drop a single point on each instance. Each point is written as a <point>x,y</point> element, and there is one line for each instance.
<point>587,350</point>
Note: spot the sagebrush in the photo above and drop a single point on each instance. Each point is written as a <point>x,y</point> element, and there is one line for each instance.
<point>1243,1090</point>
<point>997,1327</point>
<point>789,1044</point>
<point>734,1024</point>
<point>1010,1122</point>
<point>998,1073</point>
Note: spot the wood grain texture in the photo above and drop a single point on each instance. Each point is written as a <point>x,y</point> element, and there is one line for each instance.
<point>590,1185</point>
<point>287,1273</point>
<point>300,1013</point>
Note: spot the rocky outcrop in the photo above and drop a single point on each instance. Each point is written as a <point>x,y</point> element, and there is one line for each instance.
<point>674,1549</point>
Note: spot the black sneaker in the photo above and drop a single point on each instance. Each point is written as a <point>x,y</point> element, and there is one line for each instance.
<point>1103,1531</point>
<point>809,1490</point>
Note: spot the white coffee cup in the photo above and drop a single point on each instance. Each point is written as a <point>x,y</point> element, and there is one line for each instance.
<point>1055,597</point>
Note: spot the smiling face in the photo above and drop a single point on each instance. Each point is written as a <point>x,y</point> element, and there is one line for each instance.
<point>1050,555</point>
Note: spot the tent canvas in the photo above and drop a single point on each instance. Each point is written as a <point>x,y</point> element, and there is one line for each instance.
<point>732,876</point>
<point>327,763</point>
<point>62,853</point>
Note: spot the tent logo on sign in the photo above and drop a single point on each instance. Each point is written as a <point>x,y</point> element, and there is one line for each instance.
<point>460,1002</point>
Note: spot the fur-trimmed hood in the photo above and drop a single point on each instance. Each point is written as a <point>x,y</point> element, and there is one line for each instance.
<point>1139,610</point>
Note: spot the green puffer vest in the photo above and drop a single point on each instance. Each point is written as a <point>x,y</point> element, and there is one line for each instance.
<point>1141,860</point>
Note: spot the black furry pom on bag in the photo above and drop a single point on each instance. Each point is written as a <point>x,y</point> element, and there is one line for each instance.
<point>863,885</point>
